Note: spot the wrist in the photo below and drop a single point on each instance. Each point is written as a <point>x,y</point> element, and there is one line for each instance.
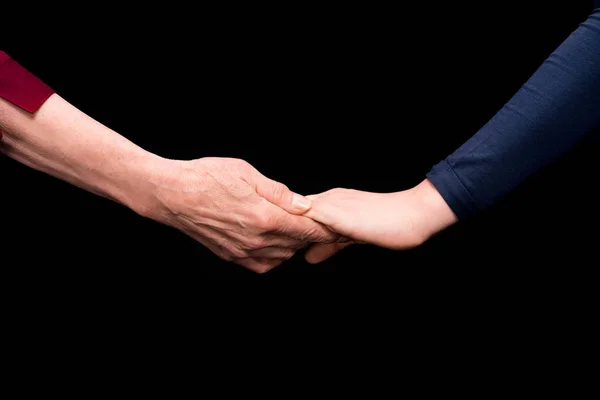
<point>138,187</point>
<point>432,211</point>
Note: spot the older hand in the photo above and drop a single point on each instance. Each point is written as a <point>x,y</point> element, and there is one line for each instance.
<point>235,211</point>
<point>398,221</point>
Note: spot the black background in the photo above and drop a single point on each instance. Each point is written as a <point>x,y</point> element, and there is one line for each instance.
<point>366,98</point>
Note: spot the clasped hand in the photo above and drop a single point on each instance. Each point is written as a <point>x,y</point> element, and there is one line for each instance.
<point>246,218</point>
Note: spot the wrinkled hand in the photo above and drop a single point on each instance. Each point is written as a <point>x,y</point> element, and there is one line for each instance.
<point>398,221</point>
<point>235,211</point>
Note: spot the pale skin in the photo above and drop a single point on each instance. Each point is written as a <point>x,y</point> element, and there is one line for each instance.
<point>398,221</point>
<point>223,203</point>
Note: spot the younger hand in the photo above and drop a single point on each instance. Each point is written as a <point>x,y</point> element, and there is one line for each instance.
<point>399,221</point>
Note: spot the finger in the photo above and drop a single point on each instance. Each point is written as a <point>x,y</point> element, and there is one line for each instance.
<point>277,193</point>
<point>321,211</point>
<point>273,253</point>
<point>301,228</point>
<point>277,240</point>
<point>268,240</point>
<point>258,265</point>
<point>321,251</point>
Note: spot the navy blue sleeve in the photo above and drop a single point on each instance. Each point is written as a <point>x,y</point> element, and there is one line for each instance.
<point>556,108</point>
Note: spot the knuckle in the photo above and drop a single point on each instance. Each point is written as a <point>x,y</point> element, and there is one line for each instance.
<point>300,244</point>
<point>267,267</point>
<point>227,256</point>
<point>340,191</point>
<point>258,267</point>
<point>287,254</point>
<point>318,234</point>
<point>237,253</point>
<point>254,243</point>
<point>278,190</point>
<point>262,269</point>
<point>310,234</point>
<point>333,191</point>
<point>307,235</point>
<point>263,221</point>
<point>270,222</point>
<point>239,163</point>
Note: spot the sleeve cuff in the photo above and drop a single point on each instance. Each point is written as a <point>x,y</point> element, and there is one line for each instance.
<point>21,87</point>
<point>456,195</point>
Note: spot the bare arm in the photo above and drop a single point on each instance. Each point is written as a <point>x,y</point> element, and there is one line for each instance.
<point>223,203</point>
<point>62,141</point>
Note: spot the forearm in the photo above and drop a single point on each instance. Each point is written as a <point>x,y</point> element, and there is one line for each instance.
<point>550,114</point>
<point>62,141</point>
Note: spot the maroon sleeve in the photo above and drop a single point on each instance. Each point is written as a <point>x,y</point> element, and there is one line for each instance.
<point>20,86</point>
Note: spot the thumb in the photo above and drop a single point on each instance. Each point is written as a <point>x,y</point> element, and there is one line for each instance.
<point>323,212</point>
<point>279,194</point>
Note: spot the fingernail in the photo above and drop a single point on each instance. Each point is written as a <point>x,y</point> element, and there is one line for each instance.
<point>300,203</point>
